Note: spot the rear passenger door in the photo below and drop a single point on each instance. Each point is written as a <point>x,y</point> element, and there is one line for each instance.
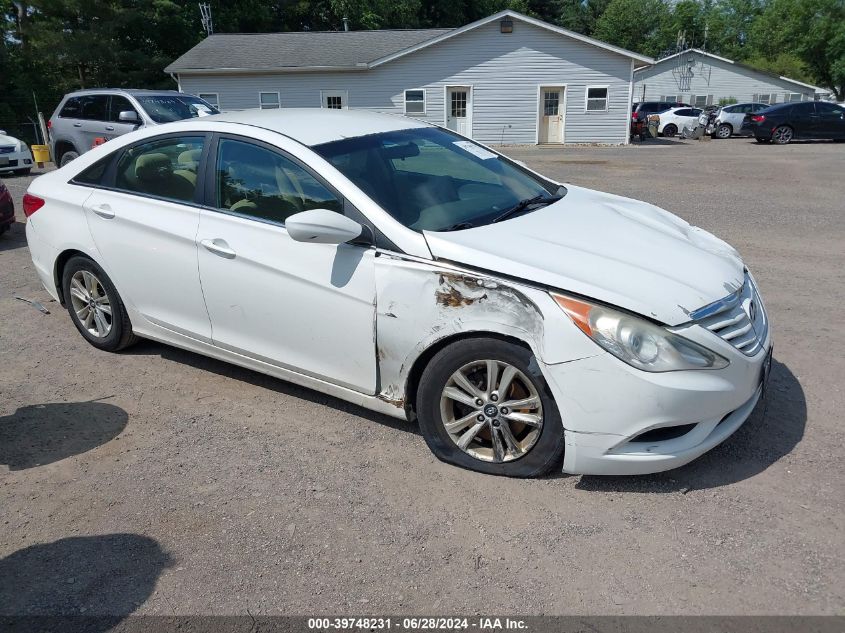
<point>304,307</point>
<point>144,219</point>
<point>94,119</point>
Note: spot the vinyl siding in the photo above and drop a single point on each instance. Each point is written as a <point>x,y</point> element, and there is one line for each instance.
<point>504,71</point>
<point>717,78</point>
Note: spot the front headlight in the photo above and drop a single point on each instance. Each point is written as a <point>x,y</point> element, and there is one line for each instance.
<point>636,341</point>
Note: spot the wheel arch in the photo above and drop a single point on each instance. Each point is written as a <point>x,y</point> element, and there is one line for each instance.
<point>412,381</point>
<point>59,268</point>
<point>61,147</point>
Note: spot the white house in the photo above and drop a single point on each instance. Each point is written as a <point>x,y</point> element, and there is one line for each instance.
<point>700,78</point>
<point>507,78</point>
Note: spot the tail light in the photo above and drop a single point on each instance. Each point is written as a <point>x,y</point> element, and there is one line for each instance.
<point>758,118</point>
<point>31,204</point>
<point>49,124</point>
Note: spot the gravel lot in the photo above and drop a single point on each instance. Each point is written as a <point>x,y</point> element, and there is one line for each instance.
<point>161,482</point>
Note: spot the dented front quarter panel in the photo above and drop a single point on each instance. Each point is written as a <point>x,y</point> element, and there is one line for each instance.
<point>421,302</point>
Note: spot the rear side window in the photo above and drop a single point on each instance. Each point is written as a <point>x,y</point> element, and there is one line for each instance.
<point>684,112</point>
<point>164,168</point>
<point>93,107</point>
<point>95,173</point>
<point>263,184</point>
<point>71,109</point>
<point>803,109</point>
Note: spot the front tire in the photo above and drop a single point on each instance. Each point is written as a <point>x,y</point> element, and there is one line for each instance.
<point>782,135</point>
<point>724,131</point>
<point>670,130</point>
<point>95,308</point>
<point>515,431</point>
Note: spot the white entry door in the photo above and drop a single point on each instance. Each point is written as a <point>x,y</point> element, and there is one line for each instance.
<point>459,109</point>
<point>551,119</point>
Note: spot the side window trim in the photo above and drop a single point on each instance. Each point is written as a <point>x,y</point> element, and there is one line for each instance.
<point>209,200</point>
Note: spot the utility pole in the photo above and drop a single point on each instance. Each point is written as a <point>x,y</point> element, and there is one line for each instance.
<point>205,13</point>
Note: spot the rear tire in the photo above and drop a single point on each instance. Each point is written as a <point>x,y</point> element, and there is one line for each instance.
<point>723,131</point>
<point>67,157</point>
<point>95,307</point>
<point>670,130</point>
<point>500,444</point>
<point>782,135</point>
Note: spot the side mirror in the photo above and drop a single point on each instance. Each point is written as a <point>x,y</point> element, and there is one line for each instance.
<point>321,226</point>
<point>128,116</point>
<point>2,132</point>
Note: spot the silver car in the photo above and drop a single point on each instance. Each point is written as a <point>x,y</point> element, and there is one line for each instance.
<point>728,119</point>
<point>85,116</point>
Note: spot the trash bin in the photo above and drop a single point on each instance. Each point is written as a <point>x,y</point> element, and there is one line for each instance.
<point>40,154</point>
<point>653,124</point>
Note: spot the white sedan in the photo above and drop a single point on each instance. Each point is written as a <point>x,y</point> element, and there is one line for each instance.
<point>674,120</point>
<point>527,324</point>
<point>15,156</point>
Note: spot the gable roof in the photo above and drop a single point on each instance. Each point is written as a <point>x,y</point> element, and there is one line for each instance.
<point>729,61</point>
<point>339,50</point>
<point>301,50</point>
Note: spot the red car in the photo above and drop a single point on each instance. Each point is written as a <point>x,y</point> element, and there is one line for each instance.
<point>7,209</point>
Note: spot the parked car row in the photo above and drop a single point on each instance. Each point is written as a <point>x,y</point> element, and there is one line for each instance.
<point>779,123</point>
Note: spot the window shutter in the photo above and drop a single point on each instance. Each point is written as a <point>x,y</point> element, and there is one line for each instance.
<point>754,97</point>
<point>774,98</point>
<point>709,99</point>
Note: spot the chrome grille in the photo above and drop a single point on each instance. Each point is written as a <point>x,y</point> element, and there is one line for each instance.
<point>740,319</point>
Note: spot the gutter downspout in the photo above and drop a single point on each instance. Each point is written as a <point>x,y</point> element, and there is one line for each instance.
<point>628,107</point>
<point>176,79</point>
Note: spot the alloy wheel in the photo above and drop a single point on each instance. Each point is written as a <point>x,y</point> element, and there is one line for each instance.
<point>491,411</point>
<point>783,134</point>
<point>724,131</point>
<point>91,303</point>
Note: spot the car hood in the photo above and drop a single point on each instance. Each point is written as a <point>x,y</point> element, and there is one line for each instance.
<point>620,251</point>
<point>6,140</point>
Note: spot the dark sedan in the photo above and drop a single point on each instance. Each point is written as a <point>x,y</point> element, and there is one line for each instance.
<point>810,119</point>
<point>7,209</point>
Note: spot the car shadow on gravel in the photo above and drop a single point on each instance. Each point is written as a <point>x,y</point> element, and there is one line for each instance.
<point>102,578</point>
<point>41,434</point>
<point>14,238</point>
<point>279,385</point>
<point>772,431</point>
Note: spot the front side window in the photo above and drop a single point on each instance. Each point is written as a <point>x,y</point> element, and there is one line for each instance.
<point>168,108</point>
<point>596,99</point>
<point>262,184</point>
<point>269,100</point>
<point>117,105</point>
<point>431,179</point>
<point>415,102</point>
<point>161,168</point>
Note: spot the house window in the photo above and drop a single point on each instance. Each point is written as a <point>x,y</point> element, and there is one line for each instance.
<point>596,98</point>
<point>763,98</point>
<point>701,100</point>
<point>211,98</point>
<point>269,100</point>
<point>792,97</point>
<point>415,102</point>
<point>333,99</point>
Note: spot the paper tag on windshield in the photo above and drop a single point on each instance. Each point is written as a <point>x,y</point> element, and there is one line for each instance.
<point>475,150</point>
<point>201,109</point>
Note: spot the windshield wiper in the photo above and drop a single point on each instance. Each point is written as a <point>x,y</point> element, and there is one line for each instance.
<point>524,204</point>
<point>459,226</point>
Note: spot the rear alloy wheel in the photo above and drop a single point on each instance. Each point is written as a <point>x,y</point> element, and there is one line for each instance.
<point>782,135</point>
<point>724,131</point>
<point>95,307</point>
<point>483,405</point>
<point>670,130</point>
<point>67,157</point>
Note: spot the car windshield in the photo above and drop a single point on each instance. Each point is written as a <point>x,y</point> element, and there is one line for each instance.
<point>430,179</point>
<point>167,108</point>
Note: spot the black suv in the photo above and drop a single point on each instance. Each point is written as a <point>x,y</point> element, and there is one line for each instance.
<point>641,109</point>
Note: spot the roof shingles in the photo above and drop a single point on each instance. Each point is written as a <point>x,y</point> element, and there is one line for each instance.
<point>309,49</point>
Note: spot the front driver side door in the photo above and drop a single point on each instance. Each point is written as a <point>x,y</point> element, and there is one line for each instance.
<point>304,307</point>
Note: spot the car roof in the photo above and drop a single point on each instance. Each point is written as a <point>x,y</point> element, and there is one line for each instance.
<point>314,126</point>
<point>130,91</point>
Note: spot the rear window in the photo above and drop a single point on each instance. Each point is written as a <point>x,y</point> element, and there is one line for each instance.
<point>94,174</point>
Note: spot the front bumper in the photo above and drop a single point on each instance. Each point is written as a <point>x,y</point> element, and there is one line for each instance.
<point>15,160</point>
<point>608,406</point>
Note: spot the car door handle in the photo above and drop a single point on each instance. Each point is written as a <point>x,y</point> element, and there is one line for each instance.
<point>77,125</point>
<point>219,247</point>
<point>110,128</point>
<point>103,210</point>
